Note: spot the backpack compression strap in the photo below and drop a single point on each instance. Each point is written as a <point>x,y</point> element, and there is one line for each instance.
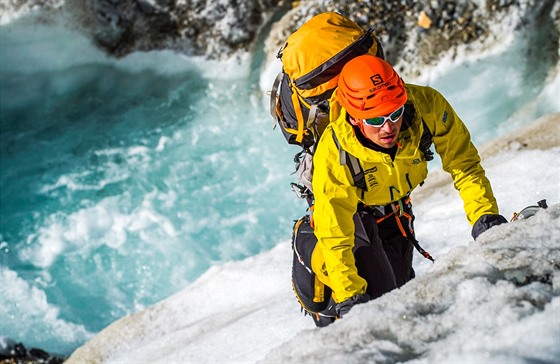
<point>275,113</point>
<point>353,165</point>
<point>299,115</point>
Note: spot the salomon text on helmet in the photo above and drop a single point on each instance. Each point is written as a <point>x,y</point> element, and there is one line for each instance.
<point>369,87</point>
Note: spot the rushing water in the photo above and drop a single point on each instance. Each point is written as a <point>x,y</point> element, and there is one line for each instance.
<point>123,181</point>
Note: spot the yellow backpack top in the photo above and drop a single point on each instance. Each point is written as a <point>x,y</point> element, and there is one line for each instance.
<point>312,59</point>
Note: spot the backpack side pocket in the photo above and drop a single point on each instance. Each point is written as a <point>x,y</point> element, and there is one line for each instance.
<point>311,293</point>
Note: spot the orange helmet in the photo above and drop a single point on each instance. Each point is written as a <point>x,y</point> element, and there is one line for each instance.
<point>369,87</point>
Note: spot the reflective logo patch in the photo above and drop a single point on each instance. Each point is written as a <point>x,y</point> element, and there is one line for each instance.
<point>371,181</point>
<point>370,177</point>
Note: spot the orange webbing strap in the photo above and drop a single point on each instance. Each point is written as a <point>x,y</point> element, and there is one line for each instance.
<point>384,217</point>
<point>297,224</point>
<point>411,237</point>
<point>399,224</point>
<point>311,219</point>
<point>409,222</point>
<point>397,207</point>
<point>397,212</point>
<point>514,217</point>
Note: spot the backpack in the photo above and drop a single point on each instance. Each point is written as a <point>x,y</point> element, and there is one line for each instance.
<point>312,59</point>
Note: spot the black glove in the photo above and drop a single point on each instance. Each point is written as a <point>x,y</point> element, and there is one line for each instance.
<point>485,222</point>
<point>345,306</point>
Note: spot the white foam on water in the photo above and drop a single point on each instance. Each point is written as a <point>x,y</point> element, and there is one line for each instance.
<point>23,302</point>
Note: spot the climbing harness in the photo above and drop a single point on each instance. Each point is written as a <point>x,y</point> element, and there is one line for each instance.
<point>398,211</point>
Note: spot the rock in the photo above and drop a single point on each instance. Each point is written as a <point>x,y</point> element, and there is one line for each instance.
<point>216,30</point>
<point>225,28</point>
<point>442,25</point>
<point>16,353</point>
<point>212,29</point>
<point>424,20</point>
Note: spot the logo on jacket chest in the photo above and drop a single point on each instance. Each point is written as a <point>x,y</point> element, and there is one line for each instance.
<point>369,175</point>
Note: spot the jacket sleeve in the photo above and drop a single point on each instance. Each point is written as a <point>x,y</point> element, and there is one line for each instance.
<point>335,205</point>
<point>459,156</point>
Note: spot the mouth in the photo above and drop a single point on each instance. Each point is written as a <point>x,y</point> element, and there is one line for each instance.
<point>387,138</point>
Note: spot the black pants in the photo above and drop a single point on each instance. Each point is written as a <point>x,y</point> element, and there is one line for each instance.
<point>385,260</point>
<point>383,255</point>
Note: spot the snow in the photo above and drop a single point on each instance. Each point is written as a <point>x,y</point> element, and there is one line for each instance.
<point>493,300</point>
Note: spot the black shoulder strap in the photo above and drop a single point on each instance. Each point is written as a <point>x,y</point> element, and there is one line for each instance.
<point>427,137</point>
<point>426,142</point>
<point>353,165</point>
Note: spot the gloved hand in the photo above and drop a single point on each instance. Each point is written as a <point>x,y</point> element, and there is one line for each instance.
<point>485,222</point>
<point>345,306</point>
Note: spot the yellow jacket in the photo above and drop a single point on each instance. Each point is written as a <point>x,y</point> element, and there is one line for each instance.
<point>336,198</point>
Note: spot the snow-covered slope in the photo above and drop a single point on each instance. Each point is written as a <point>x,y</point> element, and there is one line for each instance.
<point>493,300</point>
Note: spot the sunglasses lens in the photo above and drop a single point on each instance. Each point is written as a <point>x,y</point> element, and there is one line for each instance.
<point>397,114</point>
<point>378,121</point>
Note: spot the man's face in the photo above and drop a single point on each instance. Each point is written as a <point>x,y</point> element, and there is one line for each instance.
<point>384,136</point>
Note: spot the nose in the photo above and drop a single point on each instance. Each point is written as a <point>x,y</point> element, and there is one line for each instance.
<point>387,126</point>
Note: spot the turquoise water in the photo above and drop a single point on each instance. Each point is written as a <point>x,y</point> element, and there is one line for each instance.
<point>122,181</point>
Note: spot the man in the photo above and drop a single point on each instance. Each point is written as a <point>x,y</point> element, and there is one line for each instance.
<point>365,234</point>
